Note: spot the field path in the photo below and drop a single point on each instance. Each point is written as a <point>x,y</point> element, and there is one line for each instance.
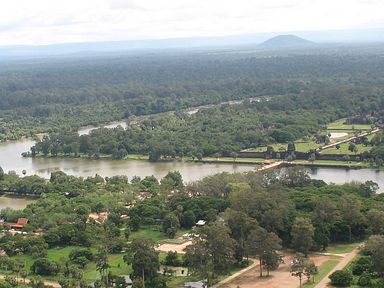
<point>237,274</point>
<point>343,262</point>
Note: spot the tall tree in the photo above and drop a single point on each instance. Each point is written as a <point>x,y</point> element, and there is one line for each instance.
<point>261,244</point>
<point>324,216</point>
<point>374,246</point>
<point>212,251</point>
<point>301,267</point>
<point>240,225</point>
<point>302,235</point>
<point>171,225</point>
<point>375,221</point>
<point>350,209</point>
<point>220,246</point>
<point>144,260</point>
<point>271,260</point>
<point>298,267</point>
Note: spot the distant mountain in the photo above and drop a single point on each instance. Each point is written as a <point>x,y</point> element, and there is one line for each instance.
<point>250,41</point>
<point>286,41</point>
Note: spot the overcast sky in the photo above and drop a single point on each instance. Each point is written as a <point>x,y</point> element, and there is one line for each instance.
<point>60,21</point>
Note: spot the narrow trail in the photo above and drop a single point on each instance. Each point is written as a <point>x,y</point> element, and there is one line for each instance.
<point>343,262</point>
<point>237,274</point>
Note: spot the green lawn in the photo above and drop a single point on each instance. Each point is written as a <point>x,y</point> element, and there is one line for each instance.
<point>324,269</point>
<point>149,233</point>
<point>237,160</point>
<point>306,146</point>
<point>341,248</point>
<point>60,255</point>
<point>333,162</point>
<point>118,267</point>
<point>276,147</point>
<point>344,149</point>
<point>154,233</point>
<point>340,125</point>
<point>316,162</point>
<point>300,146</point>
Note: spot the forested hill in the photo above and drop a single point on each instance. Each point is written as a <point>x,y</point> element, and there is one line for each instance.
<point>286,41</point>
<point>53,94</point>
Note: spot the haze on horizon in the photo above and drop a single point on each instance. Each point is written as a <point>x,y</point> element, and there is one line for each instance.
<point>24,22</point>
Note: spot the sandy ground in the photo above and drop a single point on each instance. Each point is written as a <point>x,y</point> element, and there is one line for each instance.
<point>179,248</point>
<point>280,278</point>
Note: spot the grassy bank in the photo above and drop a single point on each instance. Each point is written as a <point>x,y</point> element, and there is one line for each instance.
<point>324,269</point>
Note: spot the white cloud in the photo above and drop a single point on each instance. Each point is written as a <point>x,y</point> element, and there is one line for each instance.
<point>52,21</point>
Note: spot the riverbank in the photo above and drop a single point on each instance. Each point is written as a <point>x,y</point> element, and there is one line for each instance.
<point>15,203</point>
<point>223,160</point>
<point>314,164</point>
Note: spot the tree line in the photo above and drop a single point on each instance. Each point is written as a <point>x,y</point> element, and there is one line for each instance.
<point>56,94</point>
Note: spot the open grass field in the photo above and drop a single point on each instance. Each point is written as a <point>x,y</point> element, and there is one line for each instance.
<point>344,149</point>
<point>340,125</point>
<point>341,248</point>
<point>60,255</point>
<point>306,146</point>
<point>149,233</point>
<point>333,163</point>
<point>301,146</point>
<point>237,160</point>
<point>116,262</point>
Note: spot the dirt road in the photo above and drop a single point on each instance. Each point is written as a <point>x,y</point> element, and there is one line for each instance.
<point>344,262</point>
<point>281,278</point>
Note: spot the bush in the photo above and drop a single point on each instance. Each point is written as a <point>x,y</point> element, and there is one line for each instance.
<point>379,283</point>
<point>4,284</point>
<point>45,267</point>
<point>363,264</point>
<point>81,256</point>
<point>341,278</point>
<point>365,279</point>
<point>172,259</point>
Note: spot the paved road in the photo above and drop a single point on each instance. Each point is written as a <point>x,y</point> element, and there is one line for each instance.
<point>348,140</point>
<point>271,166</point>
<point>344,262</point>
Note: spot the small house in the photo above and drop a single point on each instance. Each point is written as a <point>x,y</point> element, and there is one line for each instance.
<point>21,222</point>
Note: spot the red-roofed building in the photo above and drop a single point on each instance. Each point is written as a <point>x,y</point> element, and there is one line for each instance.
<point>21,222</point>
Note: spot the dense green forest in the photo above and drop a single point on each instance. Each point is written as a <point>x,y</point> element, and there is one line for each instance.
<point>289,209</point>
<point>220,129</point>
<point>51,94</point>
